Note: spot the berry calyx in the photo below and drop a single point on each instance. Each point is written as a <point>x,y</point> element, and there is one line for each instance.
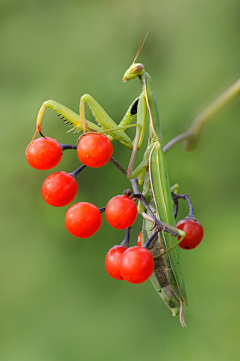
<point>121,212</point>
<point>43,153</point>
<point>136,264</point>
<point>83,219</point>
<point>94,150</point>
<point>139,239</point>
<point>194,233</point>
<point>112,260</point>
<point>59,189</point>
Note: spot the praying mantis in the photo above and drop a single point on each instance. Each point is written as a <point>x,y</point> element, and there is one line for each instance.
<point>159,230</point>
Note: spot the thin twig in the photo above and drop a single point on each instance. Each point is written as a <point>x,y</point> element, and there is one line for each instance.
<point>67,146</point>
<point>192,134</point>
<point>125,242</point>
<point>174,141</point>
<point>118,166</point>
<point>77,171</point>
<point>175,198</point>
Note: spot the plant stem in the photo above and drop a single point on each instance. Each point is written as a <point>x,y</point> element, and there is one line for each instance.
<point>118,166</point>
<point>77,171</point>
<point>125,242</point>
<point>192,134</point>
<point>176,197</point>
<point>67,146</point>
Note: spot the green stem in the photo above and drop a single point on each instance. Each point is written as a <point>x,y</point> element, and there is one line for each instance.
<point>192,134</point>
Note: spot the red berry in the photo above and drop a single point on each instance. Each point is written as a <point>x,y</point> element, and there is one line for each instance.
<point>112,260</point>
<point>43,153</point>
<point>139,239</point>
<point>94,150</point>
<point>194,233</point>
<point>121,212</point>
<point>83,220</point>
<point>136,264</point>
<point>59,189</point>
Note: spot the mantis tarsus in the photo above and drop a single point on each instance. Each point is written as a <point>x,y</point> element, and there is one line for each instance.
<point>156,202</point>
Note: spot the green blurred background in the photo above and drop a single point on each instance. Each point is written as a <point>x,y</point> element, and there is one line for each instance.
<point>57,302</point>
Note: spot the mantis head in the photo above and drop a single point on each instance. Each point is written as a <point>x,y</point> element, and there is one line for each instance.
<point>134,71</point>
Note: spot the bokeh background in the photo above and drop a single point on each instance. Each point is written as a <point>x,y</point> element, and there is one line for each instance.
<point>57,302</point>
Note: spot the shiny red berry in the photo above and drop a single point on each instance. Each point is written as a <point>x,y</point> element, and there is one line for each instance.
<point>112,260</point>
<point>121,212</point>
<point>59,189</point>
<point>136,264</point>
<point>194,233</point>
<point>83,220</point>
<point>43,153</point>
<point>94,150</point>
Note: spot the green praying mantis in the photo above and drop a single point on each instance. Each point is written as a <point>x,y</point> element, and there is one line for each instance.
<point>156,207</point>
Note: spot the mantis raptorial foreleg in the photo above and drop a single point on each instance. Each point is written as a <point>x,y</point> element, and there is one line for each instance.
<point>80,124</point>
<point>103,119</point>
<point>67,115</point>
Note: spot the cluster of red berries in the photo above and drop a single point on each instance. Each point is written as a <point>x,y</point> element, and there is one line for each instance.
<point>84,219</point>
<point>134,264</point>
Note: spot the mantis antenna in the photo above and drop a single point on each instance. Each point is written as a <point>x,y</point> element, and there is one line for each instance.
<point>141,43</point>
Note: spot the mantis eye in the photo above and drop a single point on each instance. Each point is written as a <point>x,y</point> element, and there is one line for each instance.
<point>139,67</point>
